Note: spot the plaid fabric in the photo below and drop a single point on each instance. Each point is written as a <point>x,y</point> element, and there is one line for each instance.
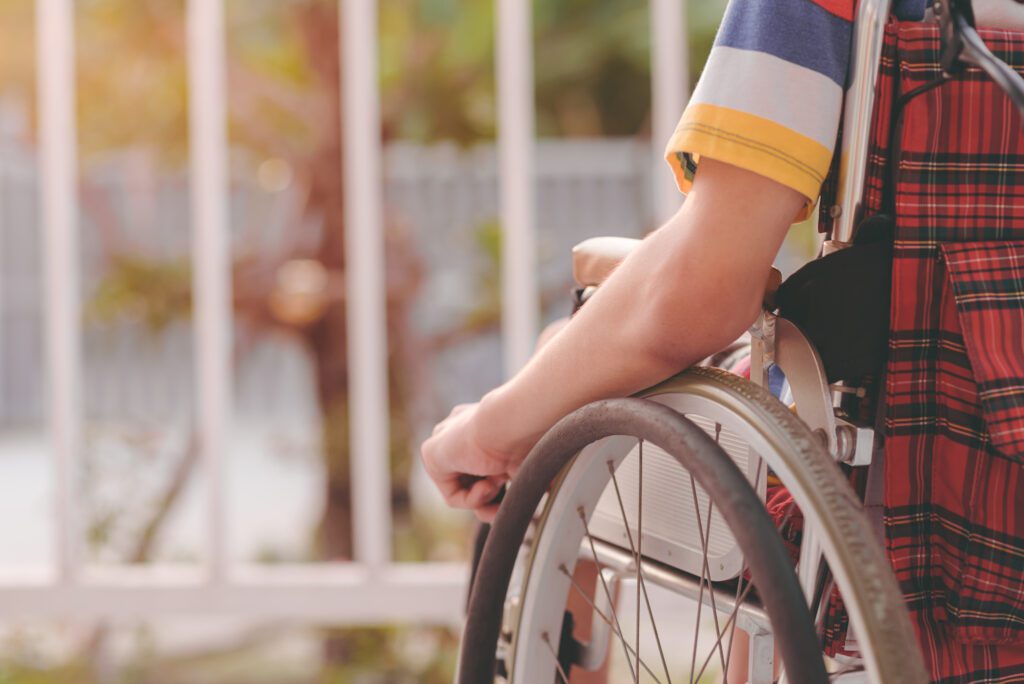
<point>988,285</point>
<point>954,485</point>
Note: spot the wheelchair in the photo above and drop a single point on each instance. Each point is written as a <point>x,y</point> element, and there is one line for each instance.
<point>628,505</point>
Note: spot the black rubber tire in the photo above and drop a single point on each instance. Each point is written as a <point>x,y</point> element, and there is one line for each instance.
<point>479,540</point>
<point>742,509</point>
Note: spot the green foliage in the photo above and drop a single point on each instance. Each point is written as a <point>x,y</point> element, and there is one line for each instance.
<point>395,655</point>
<point>260,35</point>
<point>488,238</point>
<point>592,67</point>
<point>437,77</point>
<point>436,68</point>
<point>69,674</point>
<point>131,76</point>
<point>18,673</point>
<point>592,71</point>
<point>398,655</point>
<point>154,293</point>
<point>17,58</point>
<point>704,18</point>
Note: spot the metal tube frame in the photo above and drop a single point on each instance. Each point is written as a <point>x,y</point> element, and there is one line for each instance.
<point>866,57</point>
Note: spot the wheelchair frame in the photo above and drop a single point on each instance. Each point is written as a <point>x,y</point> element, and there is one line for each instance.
<point>776,341</point>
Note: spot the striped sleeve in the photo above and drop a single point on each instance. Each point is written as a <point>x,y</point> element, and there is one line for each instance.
<point>770,97</point>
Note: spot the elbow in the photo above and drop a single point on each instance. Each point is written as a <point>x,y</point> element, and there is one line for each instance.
<point>686,321</point>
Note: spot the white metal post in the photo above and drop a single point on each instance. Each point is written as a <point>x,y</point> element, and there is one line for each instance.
<point>58,200</point>
<point>211,258</point>
<point>670,90</point>
<point>365,284</point>
<point>520,298</point>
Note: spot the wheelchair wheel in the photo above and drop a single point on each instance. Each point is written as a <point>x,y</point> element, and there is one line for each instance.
<point>689,525</point>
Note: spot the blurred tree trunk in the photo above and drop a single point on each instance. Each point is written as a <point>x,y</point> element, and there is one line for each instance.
<point>327,338</point>
<point>317,164</point>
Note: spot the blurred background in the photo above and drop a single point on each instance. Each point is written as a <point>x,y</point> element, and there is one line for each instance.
<point>140,491</point>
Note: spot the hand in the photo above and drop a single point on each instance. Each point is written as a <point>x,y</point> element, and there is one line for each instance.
<point>468,472</point>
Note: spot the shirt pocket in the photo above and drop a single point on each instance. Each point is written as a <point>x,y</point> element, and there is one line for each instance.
<point>988,285</point>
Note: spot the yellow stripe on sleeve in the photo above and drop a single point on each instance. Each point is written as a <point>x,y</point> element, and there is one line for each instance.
<point>749,142</point>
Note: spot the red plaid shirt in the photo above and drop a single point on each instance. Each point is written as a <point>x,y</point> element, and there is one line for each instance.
<point>954,482</point>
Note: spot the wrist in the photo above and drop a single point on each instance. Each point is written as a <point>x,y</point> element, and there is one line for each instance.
<point>502,427</point>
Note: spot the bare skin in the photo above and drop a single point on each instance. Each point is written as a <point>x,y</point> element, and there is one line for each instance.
<point>689,289</point>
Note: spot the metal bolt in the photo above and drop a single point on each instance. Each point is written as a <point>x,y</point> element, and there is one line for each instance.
<point>846,443</point>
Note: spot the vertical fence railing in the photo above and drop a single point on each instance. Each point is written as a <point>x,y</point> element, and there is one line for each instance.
<point>670,88</point>
<point>516,115</point>
<point>353,594</point>
<point>516,131</point>
<point>59,210</point>
<point>211,259</point>
<point>365,285</point>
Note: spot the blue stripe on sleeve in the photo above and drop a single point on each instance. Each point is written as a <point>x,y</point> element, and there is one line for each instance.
<point>798,31</point>
<point>909,10</point>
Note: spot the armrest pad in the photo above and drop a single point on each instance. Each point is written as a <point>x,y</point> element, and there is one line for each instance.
<point>593,260</point>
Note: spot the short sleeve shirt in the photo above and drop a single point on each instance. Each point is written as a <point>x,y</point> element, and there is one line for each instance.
<point>770,98</point>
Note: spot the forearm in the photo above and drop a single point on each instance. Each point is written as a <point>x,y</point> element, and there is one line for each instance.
<point>688,290</point>
<point>633,333</point>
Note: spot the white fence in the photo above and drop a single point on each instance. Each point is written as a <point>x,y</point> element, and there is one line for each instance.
<point>442,193</point>
<point>372,589</point>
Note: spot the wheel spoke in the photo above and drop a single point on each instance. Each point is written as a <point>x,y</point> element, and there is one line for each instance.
<point>554,654</point>
<point>600,613</point>
<point>707,543</point>
<point>822,608</point>
<point>569,477</point>
<point>728,623</point>
<point>639,540</point>
<point>706,570</point>
<point>608,593</point>
<point>732,630</point>
<point>700,593</point>
<point>739,584</point>
<point>586,597</point>
<point>634,549</point>
<point>757,478</point>
<point>741,594</point>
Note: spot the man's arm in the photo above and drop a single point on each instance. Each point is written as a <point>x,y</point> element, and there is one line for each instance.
<point>688,290</point>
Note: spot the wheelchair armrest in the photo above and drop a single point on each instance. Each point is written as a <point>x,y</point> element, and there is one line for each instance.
<point>594,260</point>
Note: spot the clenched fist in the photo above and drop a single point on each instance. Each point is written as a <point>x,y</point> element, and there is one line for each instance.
<point>467,470</point>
